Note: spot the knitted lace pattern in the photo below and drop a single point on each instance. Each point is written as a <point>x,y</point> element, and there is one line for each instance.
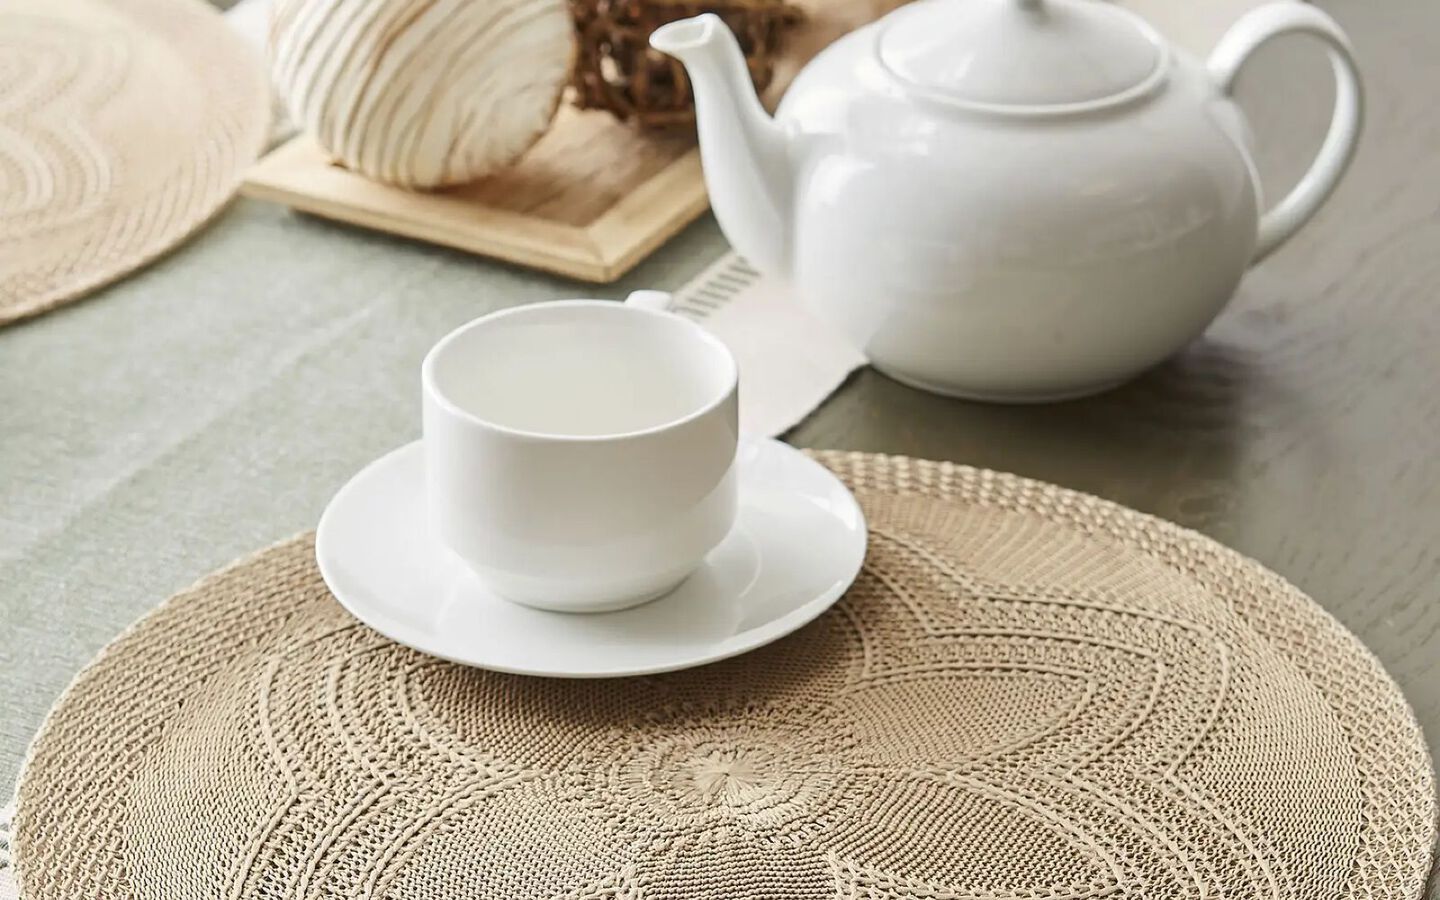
<point>1029,693</point>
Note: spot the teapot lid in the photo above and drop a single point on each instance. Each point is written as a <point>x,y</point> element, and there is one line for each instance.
<point>1022,56</point>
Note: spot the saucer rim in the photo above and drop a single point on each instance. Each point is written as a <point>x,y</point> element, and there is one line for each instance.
<point>728,648</point>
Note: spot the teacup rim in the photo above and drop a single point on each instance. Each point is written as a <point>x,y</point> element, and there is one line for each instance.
<point>433,392</point>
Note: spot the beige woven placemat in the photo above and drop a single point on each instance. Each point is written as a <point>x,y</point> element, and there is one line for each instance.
<point>1030,693</point>
<point>124,125</point>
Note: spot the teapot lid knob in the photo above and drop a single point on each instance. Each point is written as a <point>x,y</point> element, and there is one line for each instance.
<point>1026,56</point>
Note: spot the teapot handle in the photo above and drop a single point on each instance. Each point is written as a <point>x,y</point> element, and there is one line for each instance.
<point>1251,31</point>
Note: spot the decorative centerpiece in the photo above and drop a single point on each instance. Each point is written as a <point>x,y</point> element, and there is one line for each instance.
<point>618,71</point>
<point>592,197</point>
<point>422,94</point>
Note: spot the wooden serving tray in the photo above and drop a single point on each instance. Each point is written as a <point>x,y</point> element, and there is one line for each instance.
<point>590,200</point>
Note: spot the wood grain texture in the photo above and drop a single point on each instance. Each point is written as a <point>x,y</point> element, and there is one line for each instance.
<point>564,179</point>
<point>1304,428</point>
<point>590,216</point>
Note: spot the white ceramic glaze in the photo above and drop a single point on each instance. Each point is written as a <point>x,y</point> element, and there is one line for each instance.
<point>1007,199</point>
<point>798,543</point>
<point>580,453</point>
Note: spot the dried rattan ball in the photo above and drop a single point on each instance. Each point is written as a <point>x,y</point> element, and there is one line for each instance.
<point>617,70</point>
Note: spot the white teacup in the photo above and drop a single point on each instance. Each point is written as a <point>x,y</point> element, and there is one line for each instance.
<point>580,454</point>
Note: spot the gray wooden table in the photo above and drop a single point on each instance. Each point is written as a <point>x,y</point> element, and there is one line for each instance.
<point>212,403</point>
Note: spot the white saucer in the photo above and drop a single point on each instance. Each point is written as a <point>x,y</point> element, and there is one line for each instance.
<point>797,545</point>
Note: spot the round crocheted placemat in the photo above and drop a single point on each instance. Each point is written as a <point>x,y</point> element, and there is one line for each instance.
<point>1029,693</point>
<point>124,125</point>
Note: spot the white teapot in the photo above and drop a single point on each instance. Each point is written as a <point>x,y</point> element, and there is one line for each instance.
<point>1017,200</point>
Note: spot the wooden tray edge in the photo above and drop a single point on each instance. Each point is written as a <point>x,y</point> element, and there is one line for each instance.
<point>298,174</point>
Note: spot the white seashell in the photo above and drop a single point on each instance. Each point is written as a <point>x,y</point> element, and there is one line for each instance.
<point>422,93</point>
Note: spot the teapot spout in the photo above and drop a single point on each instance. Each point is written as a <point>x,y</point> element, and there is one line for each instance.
<point>744,152</point>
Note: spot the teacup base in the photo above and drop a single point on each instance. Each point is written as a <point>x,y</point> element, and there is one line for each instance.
<point>560,600</point>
